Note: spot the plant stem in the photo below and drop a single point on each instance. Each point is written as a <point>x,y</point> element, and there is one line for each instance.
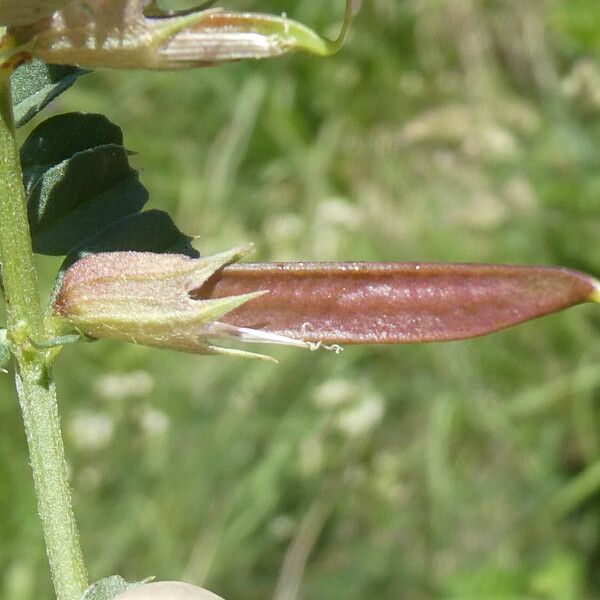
<point>35,385</point>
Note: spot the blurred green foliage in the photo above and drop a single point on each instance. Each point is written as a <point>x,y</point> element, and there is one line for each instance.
<point>450,130</point>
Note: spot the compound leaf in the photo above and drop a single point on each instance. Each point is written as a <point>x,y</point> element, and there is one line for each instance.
<point>35,84</point>
<point>149,231</point>
<point>80,196</point>
<point>62,136</point>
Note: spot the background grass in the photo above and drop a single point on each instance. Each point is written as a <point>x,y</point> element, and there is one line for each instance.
<point>447,130</point>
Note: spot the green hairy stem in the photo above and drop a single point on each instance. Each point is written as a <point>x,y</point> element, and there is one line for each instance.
<point>35,385</point>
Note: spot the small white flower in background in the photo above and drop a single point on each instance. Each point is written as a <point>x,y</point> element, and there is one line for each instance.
<point>19,578</point>
<point>154,422</point>
<point>363,417</point>
<point>167,590</point>
<point>339,212</point>
<point>357,408</point>
<point>334,393</point>
<point>91,430</point>
<point>120,386</point>
<point>283,527</point>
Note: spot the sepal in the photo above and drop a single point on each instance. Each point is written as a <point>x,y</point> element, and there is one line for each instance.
<point>146,298</point>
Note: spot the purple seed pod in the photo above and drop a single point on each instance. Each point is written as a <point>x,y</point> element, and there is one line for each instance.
<point>175,302</point>
<point>394,303</point>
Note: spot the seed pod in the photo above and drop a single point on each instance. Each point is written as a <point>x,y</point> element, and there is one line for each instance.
<point>394,303</point>
<point>167,590</point>
<point>136,34</point>
<point>175,302</point>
